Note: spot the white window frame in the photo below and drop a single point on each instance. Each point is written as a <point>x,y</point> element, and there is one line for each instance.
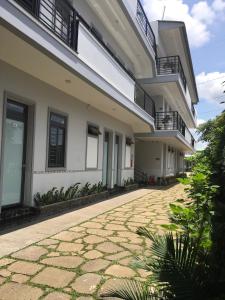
<point>96,137</point>
<point>126,147</point>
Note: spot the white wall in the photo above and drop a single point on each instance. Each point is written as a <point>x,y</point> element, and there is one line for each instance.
<point>44,97</point>
<point>149,157</point>
<point>92,19</point>
<point>154,159</point>
<point>132,5</point>
<point>96,57</point>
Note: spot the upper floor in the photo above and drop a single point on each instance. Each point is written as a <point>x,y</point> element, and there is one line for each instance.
<point>116,41</point>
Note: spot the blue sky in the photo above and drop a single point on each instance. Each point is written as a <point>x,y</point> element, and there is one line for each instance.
<point>205,22</point>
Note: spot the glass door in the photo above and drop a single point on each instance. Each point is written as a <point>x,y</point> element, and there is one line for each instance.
<point>14,155</point>
<point>116,160</point>
<point>105,179</point>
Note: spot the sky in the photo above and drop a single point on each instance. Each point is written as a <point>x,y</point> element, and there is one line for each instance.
<point>205,24</point>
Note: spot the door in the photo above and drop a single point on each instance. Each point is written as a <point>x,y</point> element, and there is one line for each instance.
<point>116,179</point>
<point>14,153</point>
<point>105,178</point>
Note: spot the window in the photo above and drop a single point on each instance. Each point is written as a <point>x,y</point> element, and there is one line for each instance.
<point>92,147</point>
<point>128,160</point>
<point>57,139</point>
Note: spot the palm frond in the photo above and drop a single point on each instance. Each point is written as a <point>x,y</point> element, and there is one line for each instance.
<point>131,290</point>
<point>176,261</point>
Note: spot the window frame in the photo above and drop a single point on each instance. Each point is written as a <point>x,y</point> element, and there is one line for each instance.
<point>65,116</point>
<point>97,137</point>
<point>131,153</point>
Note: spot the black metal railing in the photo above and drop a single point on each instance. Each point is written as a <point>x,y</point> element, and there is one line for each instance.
<point>63,20</point>
<point>171,120</point>
<point>58,16</point>
<point>171,65</point>
<point>144,101</point>
<point>145,25</point>
<point>193,142</point>
<point>193,110</point>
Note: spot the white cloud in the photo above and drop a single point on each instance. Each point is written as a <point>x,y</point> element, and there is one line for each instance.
<point>197,18</point>
<point>203,12</point>
<point>200,146</point>
<point>200,122</point>
<point>210,86</point>
<point>218,5</point>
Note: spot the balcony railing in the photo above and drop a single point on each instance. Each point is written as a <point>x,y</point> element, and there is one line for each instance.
<point>193,110</point>
<point>144,101</point>
<point>145,25</point>
<point>171,65</point>
<point>63,20</point>
<point>171,120</point>
<point>58,16</point>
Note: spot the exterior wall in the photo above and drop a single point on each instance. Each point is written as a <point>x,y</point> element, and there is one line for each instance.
<point>149,157</point>
<point>43,97</point>
<point>155,159</point>
<point>132,5</point>
<point>96,57</point>
<point>90,16</point>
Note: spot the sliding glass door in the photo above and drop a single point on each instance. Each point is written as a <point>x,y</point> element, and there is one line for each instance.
<point>14,153</point>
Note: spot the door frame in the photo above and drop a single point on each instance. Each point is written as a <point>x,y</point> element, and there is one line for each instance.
<point>109,178</point>
<point>119,158</point>
<point>27,181</point>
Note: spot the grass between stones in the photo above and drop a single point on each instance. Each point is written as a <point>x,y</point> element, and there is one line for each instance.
<point>124,215</point>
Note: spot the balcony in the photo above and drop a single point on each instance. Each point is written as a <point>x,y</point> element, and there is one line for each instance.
<point>171,65</point>
<point>171,120</point>
<point>144,101</point>
<point>70,27</point>
<point>145,26</point>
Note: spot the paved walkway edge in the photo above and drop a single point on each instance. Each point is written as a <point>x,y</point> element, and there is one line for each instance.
<point>21,238</point>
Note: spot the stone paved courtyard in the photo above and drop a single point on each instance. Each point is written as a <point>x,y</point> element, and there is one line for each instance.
<point>80,262</point>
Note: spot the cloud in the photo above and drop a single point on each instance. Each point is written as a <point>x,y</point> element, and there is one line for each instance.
<point>200,146</point>
<point>203,12</point>
<point>197,18</point>
<point>218,5</point>
<point>200,122</point>
<point>210,86</point>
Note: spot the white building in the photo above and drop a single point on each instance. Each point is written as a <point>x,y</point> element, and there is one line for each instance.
<point>90,90</point>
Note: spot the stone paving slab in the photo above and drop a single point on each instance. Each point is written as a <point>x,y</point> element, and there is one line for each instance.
<point>18,239</point>
<point>78,262</point>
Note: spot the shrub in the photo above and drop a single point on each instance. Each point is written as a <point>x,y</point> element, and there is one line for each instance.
<point>128,181</point>
<point>57,195</point>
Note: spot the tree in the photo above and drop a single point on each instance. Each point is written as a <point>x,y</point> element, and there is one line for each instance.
<point>213,132</point>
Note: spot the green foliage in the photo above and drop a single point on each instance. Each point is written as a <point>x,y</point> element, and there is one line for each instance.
<point>180,270</point>
<point>129,181</point>
<point>131,290</point>
<point>190,264</point>
<point>57,195</point>
<point>213,132</point>
<point>194,217</point>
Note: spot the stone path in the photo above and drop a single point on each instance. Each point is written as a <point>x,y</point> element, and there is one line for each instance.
<point>80,262</point>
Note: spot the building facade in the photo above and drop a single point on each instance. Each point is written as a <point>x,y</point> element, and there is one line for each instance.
<point>89,91</point>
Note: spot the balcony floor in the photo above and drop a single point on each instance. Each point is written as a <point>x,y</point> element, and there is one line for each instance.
<point>172,137</point>
<point>171,87</point>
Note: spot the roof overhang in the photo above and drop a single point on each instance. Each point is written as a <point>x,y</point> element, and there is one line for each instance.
<point>173,137</point>
<point>170,86</point>
<point>32,49</point>
<point>120,21</point>
<point>173,34</point>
